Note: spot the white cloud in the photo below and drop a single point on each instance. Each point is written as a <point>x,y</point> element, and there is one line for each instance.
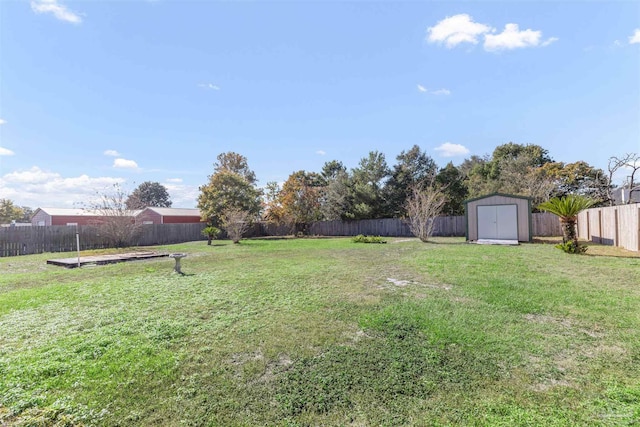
<point>58,10</point>
<point>38,188</point>
<point>321,152</point>
<point>452,150</point>
<point>209,86</point>
<point>635,38</point>
<point>6,152</point>
<point>441,92</point>
<point>512,38</point>
<point>183,196</point>
<point>461,28</point>
<point>111,153</point>
<point>2,121</point>
<point>174,180</point>
<point>457,29</point>
<point>548,41</point>
<point>125,164</point>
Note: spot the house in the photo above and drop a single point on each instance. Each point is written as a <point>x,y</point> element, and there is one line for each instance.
<point>153,215</point>
<point>68,216</point>
<point>499,217</point>
<point>621,196</point>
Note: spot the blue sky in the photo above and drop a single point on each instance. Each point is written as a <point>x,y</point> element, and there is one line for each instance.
<point>94,93</point>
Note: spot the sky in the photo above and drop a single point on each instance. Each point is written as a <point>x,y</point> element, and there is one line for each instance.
<point>97,93</point>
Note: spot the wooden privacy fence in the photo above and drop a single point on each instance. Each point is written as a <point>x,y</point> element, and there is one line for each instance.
<point>544,225</point>
<point>612,225</point>
<point>61,238</point>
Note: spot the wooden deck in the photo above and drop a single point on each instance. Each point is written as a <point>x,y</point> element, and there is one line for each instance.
<point>104,259</point>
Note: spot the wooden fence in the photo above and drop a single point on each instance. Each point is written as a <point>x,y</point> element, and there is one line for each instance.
<point>544,225</point>
<point>62,238</point>
<point>612,225</point>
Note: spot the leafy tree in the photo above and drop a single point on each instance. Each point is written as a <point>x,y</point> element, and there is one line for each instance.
<point>9,212</point>
<point>149,194</point>
<point>210,233</point>
<point>367,187</point>
<point>577,178</point>
<point>451,181</point>
<point>235,163</point>
<point>27,213</point>
<point>512,168</point>
<point>300,199</point>
<point>331,170</point>
<point>568,208</point>
<point>227,190</point>
<point>412,167</point>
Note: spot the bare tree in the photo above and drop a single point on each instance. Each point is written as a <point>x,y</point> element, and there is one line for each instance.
<point>235,222</point>
<point>630,161</point>
<point>117,223</point>
<point>424,205</point>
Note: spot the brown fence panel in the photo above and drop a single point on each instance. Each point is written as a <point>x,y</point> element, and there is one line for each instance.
<point>545,224</point>
<point>612,225</point>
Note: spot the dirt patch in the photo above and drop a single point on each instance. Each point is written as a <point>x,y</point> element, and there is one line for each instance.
<point>567,324</point>
<point>282,364</point>
<point>403,283</point>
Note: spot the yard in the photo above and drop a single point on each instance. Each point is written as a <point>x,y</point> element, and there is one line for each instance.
<point>324,332</point>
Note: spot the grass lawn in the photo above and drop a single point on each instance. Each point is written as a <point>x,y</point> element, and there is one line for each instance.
<point>324,332</point>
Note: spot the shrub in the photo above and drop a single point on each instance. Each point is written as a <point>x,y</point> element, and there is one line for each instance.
<point>571,248</point>
<point>361,238</point>
<point>211,233</point>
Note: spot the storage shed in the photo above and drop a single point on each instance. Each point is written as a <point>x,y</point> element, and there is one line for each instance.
<point>152,215</point>
<point>499,217</point>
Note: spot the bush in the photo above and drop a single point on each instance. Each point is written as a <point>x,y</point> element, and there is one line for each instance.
<point>211,233</point>
<point>571,247</point>
<point>361,238</point>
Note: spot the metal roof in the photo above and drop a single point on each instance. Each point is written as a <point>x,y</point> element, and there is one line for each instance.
<point>176,211</point>
<point>76,212</point>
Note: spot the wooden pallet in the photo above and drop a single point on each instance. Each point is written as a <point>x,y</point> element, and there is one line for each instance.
<point>104,259</point>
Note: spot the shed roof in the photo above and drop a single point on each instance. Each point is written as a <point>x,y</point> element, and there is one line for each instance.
<point>176,211</point>
<point>76,212</point>
<point>497,194</point>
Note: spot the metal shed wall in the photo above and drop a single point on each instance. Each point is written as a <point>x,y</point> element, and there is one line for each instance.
<point>523,208</point>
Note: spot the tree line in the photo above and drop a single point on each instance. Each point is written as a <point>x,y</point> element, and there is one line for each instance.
<point>374,189</point>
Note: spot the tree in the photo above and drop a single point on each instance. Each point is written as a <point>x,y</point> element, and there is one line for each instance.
<point>117,223</point>
<point>337,200</point>
<point>567,209</point>
<point>630,161</point>
<point>577,178</point>
<point>412,167</point>
<point>9,212</point>
<point>210,233</point>
<point>235,163</point>
<point>451,180</point>
<point>367,185</point>
<point>231,186</point>
<point>148,194</point>
<point>423,206</point>
<point>299,201</point>
<point>235,222</point>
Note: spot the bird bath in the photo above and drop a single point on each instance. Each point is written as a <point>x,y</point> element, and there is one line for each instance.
<point>177,257</point>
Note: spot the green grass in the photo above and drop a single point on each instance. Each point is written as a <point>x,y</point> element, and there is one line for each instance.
<point>324,332</point>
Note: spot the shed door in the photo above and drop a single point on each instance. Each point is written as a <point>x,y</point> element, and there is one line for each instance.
<point>498,222</point>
